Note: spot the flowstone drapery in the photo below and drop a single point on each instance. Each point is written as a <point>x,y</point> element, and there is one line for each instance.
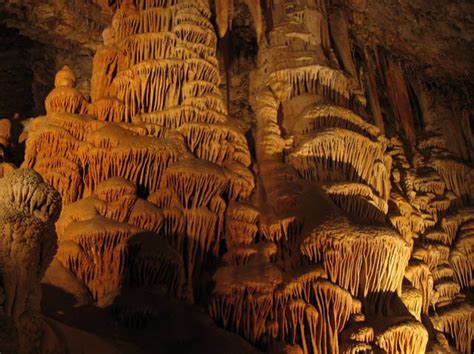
<point>156,123</point>
<point>307,122</point>
<point>330,238</point>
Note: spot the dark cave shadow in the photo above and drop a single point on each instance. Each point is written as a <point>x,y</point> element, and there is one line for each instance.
<point>387,309</point>
<point>63,307</point>
<point>175,326</point>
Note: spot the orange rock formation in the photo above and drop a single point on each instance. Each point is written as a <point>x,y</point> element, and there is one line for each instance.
<point>332,238</point>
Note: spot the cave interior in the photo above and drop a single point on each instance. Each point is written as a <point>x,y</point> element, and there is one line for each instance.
<point>236,176</point>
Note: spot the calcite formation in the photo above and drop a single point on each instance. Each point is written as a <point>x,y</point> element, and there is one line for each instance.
<point>325,237</point>
<point>28,210</point>
<point>156,128</point>
<point>110,241</point>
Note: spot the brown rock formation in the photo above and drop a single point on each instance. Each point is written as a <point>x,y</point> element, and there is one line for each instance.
<point>28,211</point>
<point>324,236</point>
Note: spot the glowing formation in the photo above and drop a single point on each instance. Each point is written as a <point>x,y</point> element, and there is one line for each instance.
<point>332,238</point>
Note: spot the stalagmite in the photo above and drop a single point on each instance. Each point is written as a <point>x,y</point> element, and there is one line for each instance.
<point>28,210</point>
<point>65,98</point>
<point>157,127</point>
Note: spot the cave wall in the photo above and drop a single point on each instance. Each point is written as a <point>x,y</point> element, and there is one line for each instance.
<point>16,74</point>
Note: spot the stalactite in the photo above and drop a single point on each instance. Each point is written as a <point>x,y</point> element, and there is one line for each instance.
<point>151,261</point>
<point>372,90</point>
<point>256,12</point>
<point>113,230</point>
<point>325,116</point>
<point>343,151</point>
<point>405,337</point>
<point>216,143</point>
<point>241,225</point>
<point>457,321</point>
<point>303,319</point>
<point>462,254</point>
<point>195,181</point>
<point>399,98</point>
<point>412,298</point>
<point>224,9</point>
<point>334,305</point>
<point>312,79</point>
<point>420,277</point>
<point>93,250</point>
<point>105,64</point>
<point>339,29</point>
<point>457,176</point>
<point>358,200</point>
<point>243,298</point>
<point>346,257</point>
<point>262,252</point>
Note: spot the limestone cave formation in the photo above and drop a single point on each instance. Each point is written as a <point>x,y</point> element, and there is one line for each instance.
<point>198,176</point>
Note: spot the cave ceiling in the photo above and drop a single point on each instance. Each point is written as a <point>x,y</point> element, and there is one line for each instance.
<point>434,36</point>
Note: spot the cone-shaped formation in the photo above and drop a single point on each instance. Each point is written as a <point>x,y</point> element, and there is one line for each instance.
<point>157,120</point>
<point>28,211</point>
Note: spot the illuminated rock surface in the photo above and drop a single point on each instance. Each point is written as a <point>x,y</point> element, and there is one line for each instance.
<point>309,203</point>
